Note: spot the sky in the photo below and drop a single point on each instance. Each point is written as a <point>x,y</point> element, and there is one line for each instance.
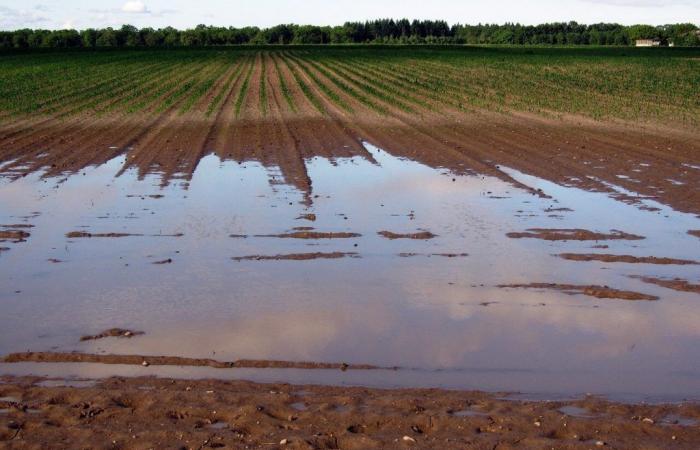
<point>182,14</point>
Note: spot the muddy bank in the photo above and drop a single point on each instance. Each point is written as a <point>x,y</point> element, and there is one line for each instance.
<point>176,361</point>
<point>311,235</point>
<point>112,332</point>
<point>625,259</point>
<point>589,290</point>
<point>420,235</point>
<point>84,234</point>
<point>13,235</point>
<point>572,234</point>
<point>164,413</point>
<point>297,256</point>
<point>677,284</point>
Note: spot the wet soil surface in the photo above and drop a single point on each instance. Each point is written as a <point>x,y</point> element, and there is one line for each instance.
<point>296,256</point>
<point>159,413</point>
<point>112,332</point>
<point>572,235</point>
<point>591,290</point>
<point>625,259</point>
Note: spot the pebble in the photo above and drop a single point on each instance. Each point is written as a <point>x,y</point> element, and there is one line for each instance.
<point>145,364</point>
<point>284,442</point>
<point>408,439</point>
<point>599,443</point>
<point>538,424</point>
<point>648,420</point>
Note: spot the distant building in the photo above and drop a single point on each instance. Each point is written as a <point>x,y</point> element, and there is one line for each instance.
<point>647,43</point>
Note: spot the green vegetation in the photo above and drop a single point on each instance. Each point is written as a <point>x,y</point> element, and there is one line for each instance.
<point>384,31</point>
<point>651,85</point>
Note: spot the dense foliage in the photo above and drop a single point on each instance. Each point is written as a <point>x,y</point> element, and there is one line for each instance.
<point>385,31</point>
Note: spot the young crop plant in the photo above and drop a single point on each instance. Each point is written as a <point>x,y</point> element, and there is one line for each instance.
<point>304,87</point>
<point>343,86</point>
<point>225,90</point>
<point>330,93</point>
<point>283,85</point>
<point>263,86</point>
<point>244,89</point>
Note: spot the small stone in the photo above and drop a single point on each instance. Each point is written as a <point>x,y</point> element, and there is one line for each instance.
<point>538,424</point>
<point>284,442</point>
<point>145,364</point>
<point>673,438</point>
<point>408,439</point>
<point>599,443</point>
<point>648,420</point>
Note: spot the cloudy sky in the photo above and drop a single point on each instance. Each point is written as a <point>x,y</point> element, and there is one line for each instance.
<point>188,13</point>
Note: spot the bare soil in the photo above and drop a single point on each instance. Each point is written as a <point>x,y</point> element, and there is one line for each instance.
<point>112,332</point>
<point>312,235</point>
<point>677,284</point>
<point>139,413</point>
<point>297,256</point>
<point>175,361</point>
<point>625,259</point>
<point>572,234</point>
<point>421,235</point>
<point>589,290</point>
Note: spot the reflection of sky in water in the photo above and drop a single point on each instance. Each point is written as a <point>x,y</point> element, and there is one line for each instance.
<point>420,312</point>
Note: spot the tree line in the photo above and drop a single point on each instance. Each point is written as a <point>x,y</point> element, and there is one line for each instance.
<point>384,31</point>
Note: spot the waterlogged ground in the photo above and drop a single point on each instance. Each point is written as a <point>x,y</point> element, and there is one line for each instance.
<point>203,275</point>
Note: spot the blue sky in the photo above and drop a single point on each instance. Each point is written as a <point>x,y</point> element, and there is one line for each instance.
<point>188,13</point>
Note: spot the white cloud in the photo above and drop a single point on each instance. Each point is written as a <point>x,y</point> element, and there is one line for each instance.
<point>11,18</point>
<point>136,7</point>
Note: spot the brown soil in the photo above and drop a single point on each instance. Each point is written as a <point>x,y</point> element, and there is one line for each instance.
<point>695,233</point>
<point>568,150</point>
<point>136,413</point>
<point>112,332</point>
<point>13,235</point>
<point>312,235</point>
<point>175,361</point>
<point>309,217</point>
<point>676,284</point>
<point>421,235</point>
<point>297,256</point>
<point>625,259</point>
<point>84,234</point>
<point>590,290</point>
<point>571,234</point>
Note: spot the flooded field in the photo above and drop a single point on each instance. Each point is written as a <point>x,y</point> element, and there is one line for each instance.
<point>435,277</point>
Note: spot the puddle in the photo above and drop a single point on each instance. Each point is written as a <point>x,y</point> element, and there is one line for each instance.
<point>67,383</point>
<point>218,426</point>
<point>468,413</point>
<point>674,419</point>
<point>378,308</point>
<point>299,406</point>
<point>576,411</point>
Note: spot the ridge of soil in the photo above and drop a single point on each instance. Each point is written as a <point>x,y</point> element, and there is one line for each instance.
<point>589,290</point>
<point>625,259</point>
<point>572,234</point>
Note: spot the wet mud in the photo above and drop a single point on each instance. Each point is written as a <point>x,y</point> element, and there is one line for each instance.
<point>152,413</point>
<point>626,259</point>
<point>572,234</point>
<point>603,292</point>
<point>420,235</point>
<point>112,332</point>
<point>297,256</point>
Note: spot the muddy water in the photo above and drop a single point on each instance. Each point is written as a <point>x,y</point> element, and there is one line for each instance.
<point>397,302</point>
